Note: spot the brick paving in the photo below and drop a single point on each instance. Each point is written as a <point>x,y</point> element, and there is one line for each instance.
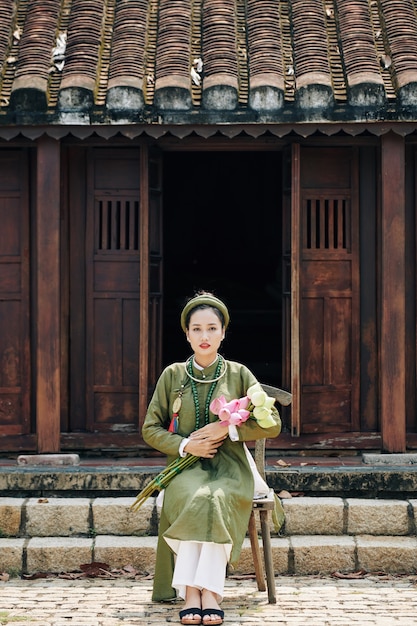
<point>301,601</point>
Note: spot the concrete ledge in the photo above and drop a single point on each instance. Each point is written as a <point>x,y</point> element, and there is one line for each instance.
<point>53,460</point>
<point>390,459</point>
<point>75,481</point>
<point>363,481</point>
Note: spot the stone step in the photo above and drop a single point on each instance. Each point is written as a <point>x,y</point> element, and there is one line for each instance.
<point>372,478</point>
<point>88,517</point>
<point>299,554</point>
<point>320,535</point>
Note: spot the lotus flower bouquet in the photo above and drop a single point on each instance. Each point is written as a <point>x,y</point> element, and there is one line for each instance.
<point>255,405</point>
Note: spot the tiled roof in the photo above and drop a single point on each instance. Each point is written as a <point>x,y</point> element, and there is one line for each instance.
<point>207,61</point>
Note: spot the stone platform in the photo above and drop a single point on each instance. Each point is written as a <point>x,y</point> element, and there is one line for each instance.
<point>368,475</point>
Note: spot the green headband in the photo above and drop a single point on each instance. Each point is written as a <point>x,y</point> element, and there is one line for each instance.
<point>204,299</point>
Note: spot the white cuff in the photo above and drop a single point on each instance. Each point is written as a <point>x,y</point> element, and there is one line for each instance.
<point>182,446</point>
<point>233,434</point>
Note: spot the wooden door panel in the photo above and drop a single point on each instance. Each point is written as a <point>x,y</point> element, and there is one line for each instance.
<point>328,291</point>
<point>116,339</point>
<point>339,322</point>
<point>327,410</point>
<point>10,233</point>
<point>112,291</point>
<point>326,348</point>
<point>10,323</point>
<point>14,295</point>
<point>312,363</point>
<point>116,171</point>
<point>119,276</point>
<point>115,411</point>
<point>107,342</point>
<point>10,275</point>
<point>326,274</point>
<point>326,168</point>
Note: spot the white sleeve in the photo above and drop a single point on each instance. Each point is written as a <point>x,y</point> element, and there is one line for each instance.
<point>233,434</point>
<point>182,446</point>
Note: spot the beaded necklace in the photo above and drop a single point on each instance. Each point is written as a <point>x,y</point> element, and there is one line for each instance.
<point>209,395</point>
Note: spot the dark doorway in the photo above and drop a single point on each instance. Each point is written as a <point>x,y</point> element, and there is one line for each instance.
<point>222,233</point>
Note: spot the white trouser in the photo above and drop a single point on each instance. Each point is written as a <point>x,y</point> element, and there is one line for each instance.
<point>201,565</point>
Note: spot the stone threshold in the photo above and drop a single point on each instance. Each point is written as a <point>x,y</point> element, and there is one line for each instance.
<point>370,475</point>
<point>409,458</point>
<point>371,481</point>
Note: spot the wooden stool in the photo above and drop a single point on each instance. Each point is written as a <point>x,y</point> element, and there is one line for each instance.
<point>264,506</point>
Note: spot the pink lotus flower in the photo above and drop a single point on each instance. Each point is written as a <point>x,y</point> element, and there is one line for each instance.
<point>256,404</point>
<point>232,412</point>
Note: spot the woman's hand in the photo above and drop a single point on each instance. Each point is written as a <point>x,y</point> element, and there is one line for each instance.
<point>206,441</point>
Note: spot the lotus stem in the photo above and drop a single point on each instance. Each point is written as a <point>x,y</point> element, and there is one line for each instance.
<point>163,479</point>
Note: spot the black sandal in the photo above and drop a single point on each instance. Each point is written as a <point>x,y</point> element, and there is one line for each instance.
<point>191,620</point>
<point>208,612</point>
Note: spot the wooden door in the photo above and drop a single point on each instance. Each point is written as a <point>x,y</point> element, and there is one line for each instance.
<point>325,291</point>
<point>112,290</point>
<point>14,294</point>
<point>116,292</point>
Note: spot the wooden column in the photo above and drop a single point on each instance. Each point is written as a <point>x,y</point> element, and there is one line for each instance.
<point>48,295</point>
<point>295,291</point>
<point>393,338</point>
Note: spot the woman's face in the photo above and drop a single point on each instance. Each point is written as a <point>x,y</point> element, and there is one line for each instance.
<point>205,334</point>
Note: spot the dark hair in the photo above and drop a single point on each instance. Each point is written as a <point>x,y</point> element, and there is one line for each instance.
<point>203,306</point>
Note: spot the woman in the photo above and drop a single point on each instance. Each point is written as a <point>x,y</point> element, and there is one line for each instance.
<point>206,508</point>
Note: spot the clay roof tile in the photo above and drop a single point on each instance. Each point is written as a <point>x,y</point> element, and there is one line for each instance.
<point>211,60</point>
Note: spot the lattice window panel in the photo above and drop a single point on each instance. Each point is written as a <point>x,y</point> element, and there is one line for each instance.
<point>327,224</point>
<point>117,224</point>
